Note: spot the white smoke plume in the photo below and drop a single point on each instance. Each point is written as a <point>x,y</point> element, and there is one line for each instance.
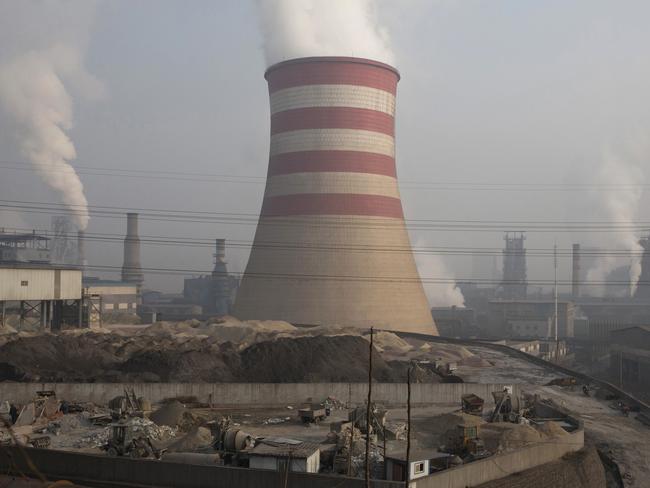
<point>42,47</point>
<point>432,266</point>
<point>616,199</point>
<point>299,28</point>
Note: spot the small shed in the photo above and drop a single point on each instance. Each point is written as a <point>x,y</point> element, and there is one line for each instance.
<point>419,462</point>
<point>280,454</point>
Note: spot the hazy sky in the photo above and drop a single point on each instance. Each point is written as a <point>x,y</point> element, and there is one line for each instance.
<point>493,93</point>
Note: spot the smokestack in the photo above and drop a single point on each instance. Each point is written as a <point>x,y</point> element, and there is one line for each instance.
<point>575,274</point>
<point>642,291</point>
<point>81,250</point>
<point>219,258</point>
<point>331,245</point>
<point>131,269</point>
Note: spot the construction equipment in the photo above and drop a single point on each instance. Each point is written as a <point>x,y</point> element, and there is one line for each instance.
<point>507,407</point>
<point>122,443</point>
<point>472,404</point>
<point>310,414</point>
<point>464,441</point>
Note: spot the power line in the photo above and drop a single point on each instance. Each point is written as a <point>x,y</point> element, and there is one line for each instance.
<point>168,215</point>
<point>361,278</point>
<point>195,242</point>
<point>260,180</point>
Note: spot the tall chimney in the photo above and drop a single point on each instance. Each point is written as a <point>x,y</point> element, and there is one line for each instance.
<point>131,269</point>
<point>81,250</point>
<point>642,292</point>
<point>575,274</point>
<point>331,245</point>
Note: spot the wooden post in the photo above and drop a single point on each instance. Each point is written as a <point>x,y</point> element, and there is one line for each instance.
<point>385,466</point>
<point>408,427</point>
<point>368,410</point>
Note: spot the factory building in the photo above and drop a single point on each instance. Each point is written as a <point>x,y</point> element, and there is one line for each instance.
<point>331,245</point>
<point>40,297</point>
<point>533,319</point>
<point>215,293</point>
<point>115,297</point>
<point>24,248</point>
<point>515,284</point>
<point>630,359</point>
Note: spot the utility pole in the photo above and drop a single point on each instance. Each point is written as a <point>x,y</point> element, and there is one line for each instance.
<point>368,409</point>
<point>408,427</point>
<point>557,343</point>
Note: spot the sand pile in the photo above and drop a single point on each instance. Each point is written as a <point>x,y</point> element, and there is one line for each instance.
<point>552,430</point>
<point>196,438</point>
<point>225,351</point>
<point>169,414</point>
<point>390,344</point>
<point>475,362</point>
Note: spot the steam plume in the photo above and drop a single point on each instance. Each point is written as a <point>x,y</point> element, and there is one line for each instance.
<point>616,198</point>
<point>432,266</point>
<point>36,65</point>
<point>299,28</point>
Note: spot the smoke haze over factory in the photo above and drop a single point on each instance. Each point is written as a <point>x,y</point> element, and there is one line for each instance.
<point>498,119</point>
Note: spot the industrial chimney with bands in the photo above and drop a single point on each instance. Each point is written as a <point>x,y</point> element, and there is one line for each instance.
<point>331,245</point>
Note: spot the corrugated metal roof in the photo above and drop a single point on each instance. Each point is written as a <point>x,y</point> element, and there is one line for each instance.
<point>276,449</point>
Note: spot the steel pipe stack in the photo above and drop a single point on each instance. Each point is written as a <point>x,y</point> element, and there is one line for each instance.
<point>331,245</point>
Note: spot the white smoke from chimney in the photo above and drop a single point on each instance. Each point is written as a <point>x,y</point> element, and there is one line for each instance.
<point>432,268</point>
<point>616,196</point>
<point>300,28</point>
<point>40,56</point>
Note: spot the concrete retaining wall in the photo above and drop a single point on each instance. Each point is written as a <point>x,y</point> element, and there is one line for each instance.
<point>502,465</point>
<point>100,471</point>
<point>256,394</point>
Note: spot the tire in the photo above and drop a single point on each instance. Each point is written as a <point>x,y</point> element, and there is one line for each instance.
<point>112,452</point>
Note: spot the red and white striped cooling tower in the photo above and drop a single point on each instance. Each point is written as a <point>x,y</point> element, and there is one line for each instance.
<point>331,246</point>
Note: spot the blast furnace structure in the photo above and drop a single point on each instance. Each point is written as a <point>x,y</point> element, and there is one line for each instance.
<point>331,245</point>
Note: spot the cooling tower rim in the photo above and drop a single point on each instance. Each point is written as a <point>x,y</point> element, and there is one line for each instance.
<point>332,59</point>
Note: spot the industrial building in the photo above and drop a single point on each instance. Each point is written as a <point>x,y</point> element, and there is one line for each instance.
<point>331,245</point>
<point>533,319</point>
<point>24,248</point>
<point>44,297</point>
<point>115,297</point>
<point>514,285</point>
<point>215,293</point>
<point>630,359</point>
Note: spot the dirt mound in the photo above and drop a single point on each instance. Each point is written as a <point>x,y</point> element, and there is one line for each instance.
<point>196,438</point>
<point>475,362</point>
<point>305,359</point>
<point>194,351</point>
<point>169,414</point>
<point>552,430</point>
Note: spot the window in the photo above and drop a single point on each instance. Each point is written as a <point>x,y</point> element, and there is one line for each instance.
<point>24,283</point>
<point>418,468</point>
<point>108,306</point>
<point>122,306</point>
